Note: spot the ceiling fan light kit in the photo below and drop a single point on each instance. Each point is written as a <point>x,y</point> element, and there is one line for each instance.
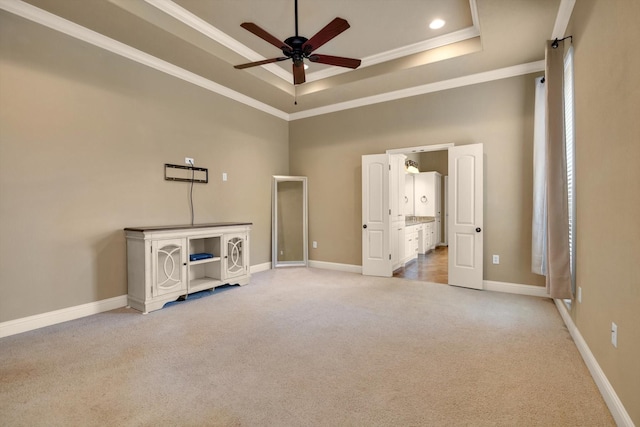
<point>298,48</point>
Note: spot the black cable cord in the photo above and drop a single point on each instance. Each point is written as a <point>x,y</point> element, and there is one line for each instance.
<point>191,191</point>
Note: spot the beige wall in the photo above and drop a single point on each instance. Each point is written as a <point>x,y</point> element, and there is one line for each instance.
<point>328,150</point>
<point>84,135</point>
<point>434,161</point>
<point>607,93</point>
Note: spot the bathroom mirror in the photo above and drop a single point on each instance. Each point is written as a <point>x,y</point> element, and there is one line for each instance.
<point>289,221</point>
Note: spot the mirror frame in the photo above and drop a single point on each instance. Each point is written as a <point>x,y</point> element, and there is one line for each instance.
<point>274,222</point>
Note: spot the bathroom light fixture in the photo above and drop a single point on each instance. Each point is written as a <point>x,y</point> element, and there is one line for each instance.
<point>412,166</point>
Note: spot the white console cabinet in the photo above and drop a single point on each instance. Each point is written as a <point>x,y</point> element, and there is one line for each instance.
<point>160,267</point>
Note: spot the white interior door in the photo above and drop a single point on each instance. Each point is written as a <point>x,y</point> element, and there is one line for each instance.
<point>376,214</point>
<point>466,218</point>
<point>445,238</point>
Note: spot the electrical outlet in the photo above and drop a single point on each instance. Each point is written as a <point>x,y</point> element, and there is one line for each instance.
<point>579,294</point>
<point>614,334</point>
<point>496,259</point>
<point>315,245</point>
<point>224,176</point>
<point>189,161</point>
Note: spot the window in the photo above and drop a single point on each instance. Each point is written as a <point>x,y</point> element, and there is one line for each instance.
<point>569,125</point>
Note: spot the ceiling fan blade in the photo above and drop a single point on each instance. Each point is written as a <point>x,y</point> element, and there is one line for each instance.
<point>253,28</point>
<point>335,60</point>
<point>255,64</point>
<point>298,73</point>
<point>331,30</point>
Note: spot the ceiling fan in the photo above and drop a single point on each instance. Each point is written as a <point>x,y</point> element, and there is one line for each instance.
<point>299,48</point>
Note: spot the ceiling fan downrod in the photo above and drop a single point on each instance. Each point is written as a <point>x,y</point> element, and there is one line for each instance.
<point>296,13</point>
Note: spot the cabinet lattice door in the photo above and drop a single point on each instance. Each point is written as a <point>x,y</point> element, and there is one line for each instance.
<point>168,269</point>
<point>235,257</point>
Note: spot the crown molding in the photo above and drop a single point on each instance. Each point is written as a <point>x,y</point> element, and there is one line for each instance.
<point>203,27</point>
<point>183,15</point>
<point>562,18</point>
<point>473,6</point>
<point>390,55</point>
<point>487,76</point>
<point>79,32</point>
<point>64,26</point>
<point>443,40</point>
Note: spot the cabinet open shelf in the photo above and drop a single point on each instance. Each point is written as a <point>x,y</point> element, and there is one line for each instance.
<point>205,261</point>
<point>203,283</point>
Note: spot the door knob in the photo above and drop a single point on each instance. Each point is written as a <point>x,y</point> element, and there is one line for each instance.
<point>364,226</point>
<point>478,229</point>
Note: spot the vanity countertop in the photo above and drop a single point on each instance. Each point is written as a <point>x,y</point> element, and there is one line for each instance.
<point>415,220</point>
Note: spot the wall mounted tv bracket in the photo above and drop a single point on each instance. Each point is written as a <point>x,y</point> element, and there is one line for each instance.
<point>185,173</point>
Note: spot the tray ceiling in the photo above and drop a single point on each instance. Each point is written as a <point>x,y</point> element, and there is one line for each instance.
<point>401,55</point>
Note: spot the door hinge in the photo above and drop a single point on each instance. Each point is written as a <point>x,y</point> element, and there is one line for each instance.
<point>389,257</point>
<point>389,167</point>
<point>389,211</point>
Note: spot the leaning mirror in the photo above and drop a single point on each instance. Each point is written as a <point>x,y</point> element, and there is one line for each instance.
<point>289,221</point>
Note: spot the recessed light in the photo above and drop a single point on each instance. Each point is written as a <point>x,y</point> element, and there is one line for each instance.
<point>436,23</point>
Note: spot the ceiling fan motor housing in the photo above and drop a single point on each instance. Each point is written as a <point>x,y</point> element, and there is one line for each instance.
<point>296,53</point>
<point>295,42</point>
<point>297,48</point>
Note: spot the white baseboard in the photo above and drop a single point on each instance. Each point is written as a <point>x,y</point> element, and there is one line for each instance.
<point>30,323</point>
<point>514,288</point>
<point>335,266</point>
<point>619,413</point>
<point>42,320</point>
<point>260,267</point>
<point>488,285</point>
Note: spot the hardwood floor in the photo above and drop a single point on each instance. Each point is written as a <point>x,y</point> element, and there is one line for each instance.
<point>432,267</point>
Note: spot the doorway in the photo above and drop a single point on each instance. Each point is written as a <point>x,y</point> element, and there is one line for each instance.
<point>432,266</point>
<point>464,225</point>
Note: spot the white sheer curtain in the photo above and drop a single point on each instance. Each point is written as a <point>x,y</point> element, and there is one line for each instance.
<point>539,224</point>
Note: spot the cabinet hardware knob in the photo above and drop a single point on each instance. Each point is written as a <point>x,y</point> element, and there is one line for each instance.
<point>364,226</point>
<point>478,229</point>
<point>423,199</point>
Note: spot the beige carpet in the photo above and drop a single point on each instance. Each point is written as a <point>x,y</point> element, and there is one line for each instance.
<point>307,347</point>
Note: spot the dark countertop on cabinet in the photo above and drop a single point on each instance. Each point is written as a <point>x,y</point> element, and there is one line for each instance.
<point>186,226</point>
